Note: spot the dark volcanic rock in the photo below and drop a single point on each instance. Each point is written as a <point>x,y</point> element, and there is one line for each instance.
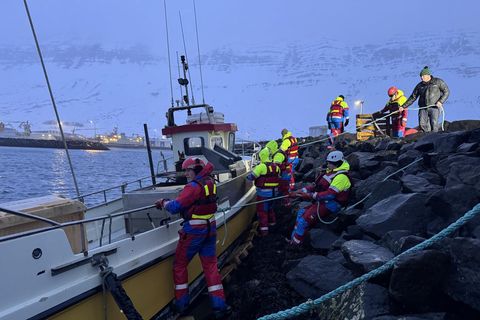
<point>441,142</point>
<point>417,279</point>
<point>322,239</point>
<point>364,255</point>
<point>408,157</point>
<point>461,125</point>
<point>463,282</point>
<point>416,183</point>
<point>357,160</point>
<point>306,165</point>
<point>364,187</point>
<point>431,177</point>
<point>363,302</point>
<point>402,211</point>
<point>467,147</point>
<point>450,204</point>
<point>383,190</point>
<point>317,275</point>
<point>391,239</point>
<point>460,169</point>
<point>406,243</point>
<point>420,316</point>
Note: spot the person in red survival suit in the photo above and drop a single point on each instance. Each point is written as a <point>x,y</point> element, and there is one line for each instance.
<point>330,194</point>
<point>197,203</point>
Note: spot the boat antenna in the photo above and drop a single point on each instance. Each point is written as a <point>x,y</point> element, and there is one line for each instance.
<point>168,50</point>
<point>179,76</point>
<point>186,56</point>
<point>52,98</point>
<point>198,50</point>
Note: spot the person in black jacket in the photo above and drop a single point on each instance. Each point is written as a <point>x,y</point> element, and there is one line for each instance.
<point>432,93</point>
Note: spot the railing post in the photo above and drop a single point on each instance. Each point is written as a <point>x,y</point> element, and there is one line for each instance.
<point>123,186</point>
<point>105,195</point>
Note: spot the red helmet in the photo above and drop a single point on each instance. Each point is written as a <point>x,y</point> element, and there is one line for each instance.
<point>191,163</point>
<point>392,91</point>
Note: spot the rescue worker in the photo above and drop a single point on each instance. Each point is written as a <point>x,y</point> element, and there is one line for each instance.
<point>432,93</point>
<point>280,159</point>
<point>289,148</point>
<point>338,115</point>
<point>197,203</point>
<point>267,178</point>
<point>330,194</point>
<point>398,118</point>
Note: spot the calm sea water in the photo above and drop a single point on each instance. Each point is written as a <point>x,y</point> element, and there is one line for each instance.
<point>35,172</point>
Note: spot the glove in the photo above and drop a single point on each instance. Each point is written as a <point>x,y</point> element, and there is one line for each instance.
<point>250,177</point>
<point>346,122</point>
<point>160,204</point>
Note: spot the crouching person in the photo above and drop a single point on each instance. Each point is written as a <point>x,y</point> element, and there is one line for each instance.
<point>267,178</point>
<point>329,195</point>
<point>197,203</point>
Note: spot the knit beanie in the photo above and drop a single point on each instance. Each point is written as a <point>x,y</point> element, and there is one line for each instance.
<point>425,71</point>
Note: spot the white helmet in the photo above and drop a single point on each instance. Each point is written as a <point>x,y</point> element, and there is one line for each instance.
<point>335,156</point>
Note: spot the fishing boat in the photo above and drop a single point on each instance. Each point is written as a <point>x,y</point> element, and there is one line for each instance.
<point>55,271</point>
<point>63,258</point>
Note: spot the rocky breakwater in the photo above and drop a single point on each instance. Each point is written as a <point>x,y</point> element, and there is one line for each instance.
<point>439,183</point>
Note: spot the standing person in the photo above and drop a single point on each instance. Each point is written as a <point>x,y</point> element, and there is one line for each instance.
<point>432,93</point>
<point>398,118</point>
<point>337,118</point>
<point>330,194</point>
<point>280,159</point>
<point>267,178</point>
<point>197,203</point>
<point>289,147</point>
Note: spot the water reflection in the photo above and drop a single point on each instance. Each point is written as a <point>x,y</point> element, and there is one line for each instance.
<point>31,172</point>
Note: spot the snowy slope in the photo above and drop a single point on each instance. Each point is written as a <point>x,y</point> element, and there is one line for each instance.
<point>263,88</point>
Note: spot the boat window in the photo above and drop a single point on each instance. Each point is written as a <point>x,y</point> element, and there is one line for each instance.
<point>231,141</point>
<point>216,140</point>
<point>193,145</point>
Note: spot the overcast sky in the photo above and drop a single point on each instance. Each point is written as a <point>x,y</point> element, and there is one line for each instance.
<point>224,23</point>
<point>124,23</point>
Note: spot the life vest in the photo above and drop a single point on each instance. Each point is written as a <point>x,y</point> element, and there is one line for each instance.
<point>398,118</point>
<point>271,179</point>
<point>292,151</point>
<point>336,110</point>
<point>323,183</point>
<point>205,207</point>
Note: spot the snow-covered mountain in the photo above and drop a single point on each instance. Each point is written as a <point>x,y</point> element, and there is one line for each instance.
<point>262,88</point>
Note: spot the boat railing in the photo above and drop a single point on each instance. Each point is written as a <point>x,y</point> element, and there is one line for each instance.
<point>122,187</point>
<point>56,225</point>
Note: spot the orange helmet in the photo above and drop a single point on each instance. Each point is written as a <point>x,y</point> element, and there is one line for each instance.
<point>392,91</point>
<point>191,163</point>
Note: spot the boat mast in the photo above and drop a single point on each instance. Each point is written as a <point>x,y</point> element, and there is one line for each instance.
<point>168,51</point>
<point>186,56</point>
<point>198,52</point>
<point>52,98</point>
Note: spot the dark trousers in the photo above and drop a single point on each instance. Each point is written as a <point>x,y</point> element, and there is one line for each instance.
<point>428,119</point>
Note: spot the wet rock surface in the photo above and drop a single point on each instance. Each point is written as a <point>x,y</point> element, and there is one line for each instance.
<point>440,282</point>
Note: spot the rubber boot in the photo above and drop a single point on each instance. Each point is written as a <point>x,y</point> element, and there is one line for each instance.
<point>223,313</point>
